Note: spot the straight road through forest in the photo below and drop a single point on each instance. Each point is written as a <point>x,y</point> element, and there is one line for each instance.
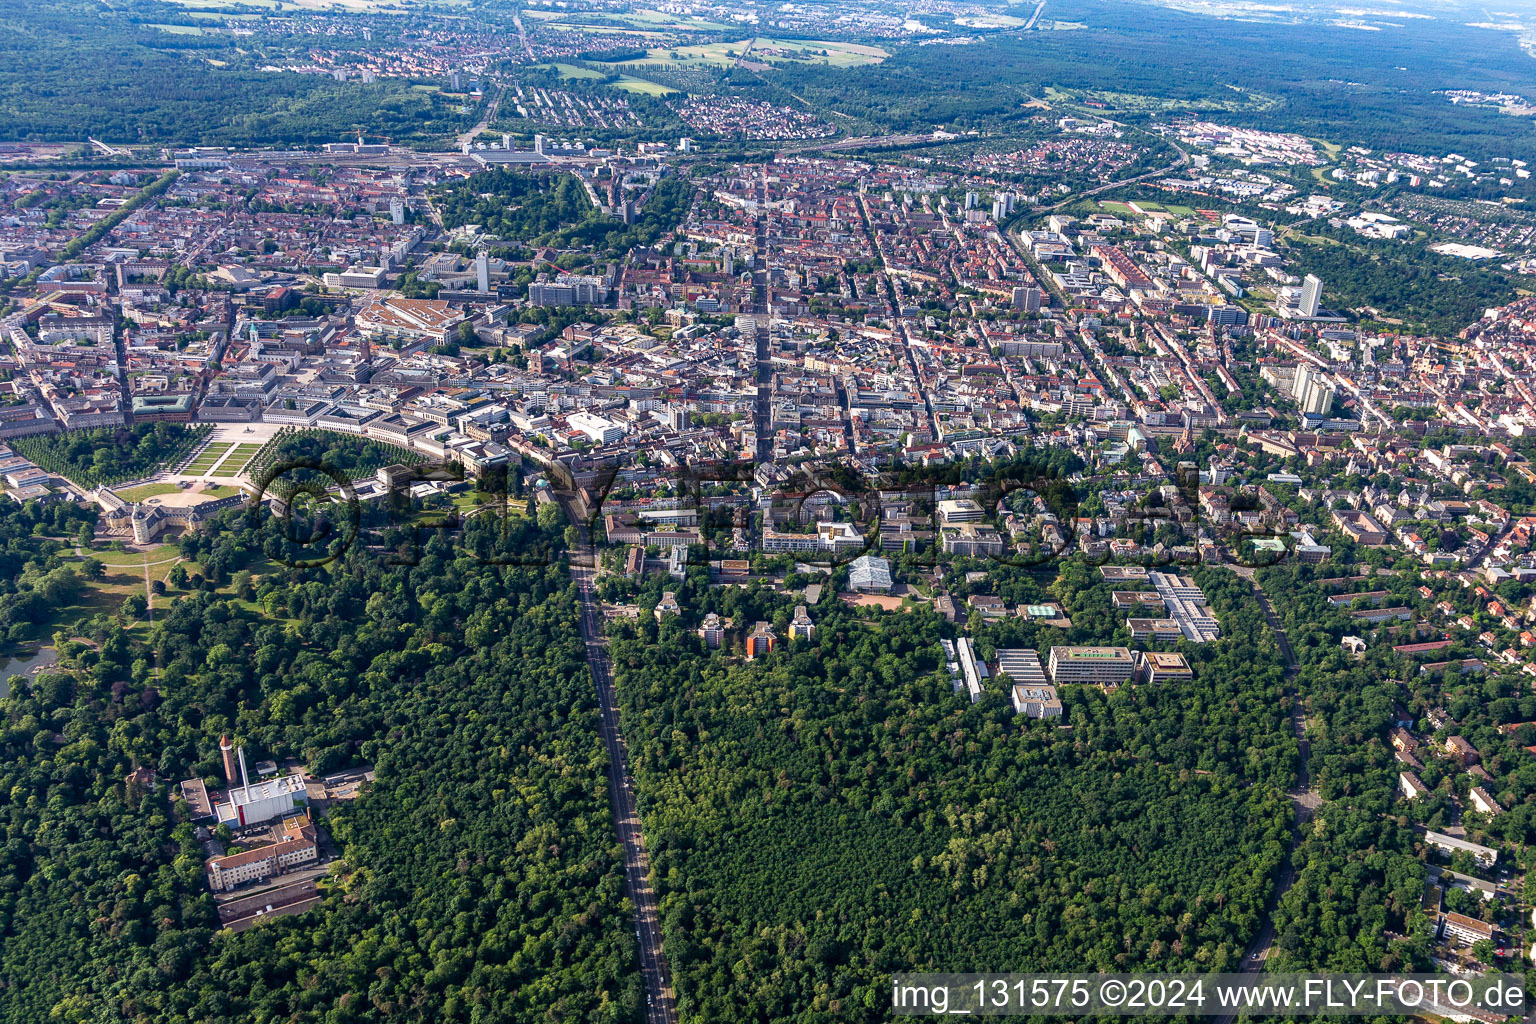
<point>1304,798</point>
<point>661,1002</point>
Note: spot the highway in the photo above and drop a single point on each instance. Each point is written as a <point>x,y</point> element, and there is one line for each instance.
<point>661,1005</point>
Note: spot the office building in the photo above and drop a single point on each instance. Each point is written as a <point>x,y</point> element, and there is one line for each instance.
<point>1184,603</point>
<point>1036,701</point>
<point>1311,295</point>
<point>1021,665</point>
<point>293,846</point>
<point>1097,666</point>
<point>960,510</point>
<point>1162,667</point>
<point>1226,316</point>
<point>973,671</point>
<point>483,271</point>
<point>598,429</point>
<point>568,290</point>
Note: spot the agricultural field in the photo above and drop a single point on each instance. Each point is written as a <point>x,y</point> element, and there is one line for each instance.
<point>569,71</point>
<point>765,51</point>
<point>991,21</point>
<point>639,85</point>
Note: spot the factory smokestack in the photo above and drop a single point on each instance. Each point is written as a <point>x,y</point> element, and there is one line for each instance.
<point>228,750</point>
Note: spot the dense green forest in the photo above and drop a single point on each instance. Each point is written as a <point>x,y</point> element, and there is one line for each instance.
<point>34,579</point>
<point>72,68</point>
<point>1360,867</point>
<point>832,813</point>
<point>110,455</point>
<point>1273,76</point>
<point>1405,283</point>
<point>482,875</point>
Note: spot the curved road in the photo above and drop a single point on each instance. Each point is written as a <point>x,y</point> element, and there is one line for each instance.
<point>1074,197</point>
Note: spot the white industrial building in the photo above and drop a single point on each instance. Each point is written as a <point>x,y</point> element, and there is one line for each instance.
<point>248,804</point>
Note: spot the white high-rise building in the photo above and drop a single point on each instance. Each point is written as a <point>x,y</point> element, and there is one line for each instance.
<point>396,211</point>
<point>539,143</point>
<point>483,271</point>
<point>1313,393</point>
<point>1311,295</point>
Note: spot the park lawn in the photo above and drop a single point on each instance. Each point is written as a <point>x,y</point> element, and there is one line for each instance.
<point>645,88</point>
<point>221,491</point>
<point>468,501</point>
<point>102,597</point>
<point>143,491</point>
<point>238,459</point>
<point>158,553</point>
